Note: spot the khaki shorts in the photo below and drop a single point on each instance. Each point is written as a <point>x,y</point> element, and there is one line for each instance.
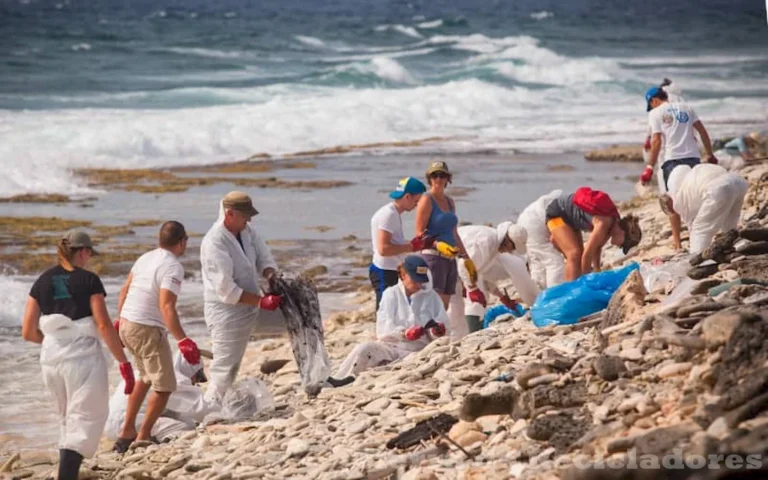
<point>152,354</point>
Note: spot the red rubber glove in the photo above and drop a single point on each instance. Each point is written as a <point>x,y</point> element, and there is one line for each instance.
<point>476,296</point>
<point>712,159</point>
<point>508,302</point>
<point>647,175</point>
<point>126,371</point>
<point>421,242</point>
<point>438,330</point>
<point>270,302</point>
<point>189,351</point>
<point>414,333</point>
<point>647,144</point>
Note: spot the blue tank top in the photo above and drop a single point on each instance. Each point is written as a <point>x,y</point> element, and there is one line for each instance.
<point>442,223</point>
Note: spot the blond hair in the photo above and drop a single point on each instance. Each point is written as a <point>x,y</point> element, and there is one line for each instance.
<point>66,253</point>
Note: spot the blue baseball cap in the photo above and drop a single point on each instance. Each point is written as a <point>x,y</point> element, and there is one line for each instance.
<point>652,92</point>
<point>408,185</point>
<point>417,268</point>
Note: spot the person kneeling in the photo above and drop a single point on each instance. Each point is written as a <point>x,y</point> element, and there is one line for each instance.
<point>707,198</point>
<point>409,317</point>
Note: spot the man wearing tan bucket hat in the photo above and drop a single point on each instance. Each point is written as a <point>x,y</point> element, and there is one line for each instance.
<point>233,259</point>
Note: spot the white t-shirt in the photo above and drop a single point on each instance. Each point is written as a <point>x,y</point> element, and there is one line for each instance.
<point>388,219</point>
<point>674,120</point>
<point>152,271</point>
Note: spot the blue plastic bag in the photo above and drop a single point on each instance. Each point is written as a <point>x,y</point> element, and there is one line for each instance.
<point>496,311</point>
<point>566,303</point>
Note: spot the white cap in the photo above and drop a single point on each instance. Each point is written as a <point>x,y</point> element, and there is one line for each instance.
<point>516,233</point>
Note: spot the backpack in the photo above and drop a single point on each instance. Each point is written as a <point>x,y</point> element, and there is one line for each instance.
<point>595,202</point>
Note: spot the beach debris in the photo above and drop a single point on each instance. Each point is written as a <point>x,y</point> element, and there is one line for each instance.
<point>423,430</point>
<point>301,309</point>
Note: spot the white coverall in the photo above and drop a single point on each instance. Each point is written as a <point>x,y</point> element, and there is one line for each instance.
<point>227,270</point>
<point>708,199</point>
<point>546,262</point>
<point>395,316</point>
<point>186,405</point>
<point>75,372</point>
<point>482,245</point>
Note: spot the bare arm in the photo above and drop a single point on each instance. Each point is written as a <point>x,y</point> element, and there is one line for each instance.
<point>170,315</point>
<point>655,149</point>
<point>123,294</point>
<point>596,259</point>
<point>104,324</point>
<point>385,246</point>
<point>30,330</point>
<point>704,137</point>
<point>600,234</point>
<point>676,223</point>
<point>423,210</point>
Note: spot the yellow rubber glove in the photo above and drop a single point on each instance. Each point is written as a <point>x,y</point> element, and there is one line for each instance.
<point>471,270</point>
<point>446,250</point>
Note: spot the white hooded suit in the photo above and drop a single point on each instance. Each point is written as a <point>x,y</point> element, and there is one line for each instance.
<point>482,245</point>
<point>708,199</point>
<point>228,269</point>
<point>546,262</point>
<point>395,315</point>
<point>75,372</point>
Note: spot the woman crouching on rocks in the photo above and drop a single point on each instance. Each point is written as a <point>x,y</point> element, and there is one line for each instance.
<point>409,317</point>
<point>67,314</point>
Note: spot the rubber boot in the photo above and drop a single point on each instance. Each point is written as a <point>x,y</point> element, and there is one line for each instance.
<point>69,464</point>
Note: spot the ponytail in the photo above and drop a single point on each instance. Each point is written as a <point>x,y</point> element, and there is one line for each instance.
<point>66,253</point>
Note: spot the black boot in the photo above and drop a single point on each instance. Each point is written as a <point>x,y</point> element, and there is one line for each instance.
<point>69,464</point>
<point>340,382</point>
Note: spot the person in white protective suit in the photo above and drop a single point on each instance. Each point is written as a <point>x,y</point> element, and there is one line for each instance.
<point>409,317</point>
<point>491,251</point>
<point>707,198</point>
<point>233,258</point>
<point>186,406</point>
<point>67,314</point>
<point>546,262</point>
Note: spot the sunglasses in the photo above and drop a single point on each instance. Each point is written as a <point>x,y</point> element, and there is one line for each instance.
<point>439,175</point>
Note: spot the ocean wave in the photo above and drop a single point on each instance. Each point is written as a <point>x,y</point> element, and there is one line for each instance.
<point>41,145</point>
<point>14,298</point>
<point>311,41</point>
<point>204,52</point>
<point>430,24</point>
<point>542,15</point>
<point>404,29</point>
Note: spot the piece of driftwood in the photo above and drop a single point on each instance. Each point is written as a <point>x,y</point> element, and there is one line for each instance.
<point>424,430</point>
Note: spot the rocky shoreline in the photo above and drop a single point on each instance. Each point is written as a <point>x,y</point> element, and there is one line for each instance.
<point>642,380</point>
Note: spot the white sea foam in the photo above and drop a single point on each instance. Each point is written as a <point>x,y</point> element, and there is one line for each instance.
<point>204,52</point>
<point>13,299</point>
<point>404,29</point>
<point>81,47</point>
<point>311,41</point>
<point>430,24</point>
<point>542,15</point>
<point>39,146</point>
